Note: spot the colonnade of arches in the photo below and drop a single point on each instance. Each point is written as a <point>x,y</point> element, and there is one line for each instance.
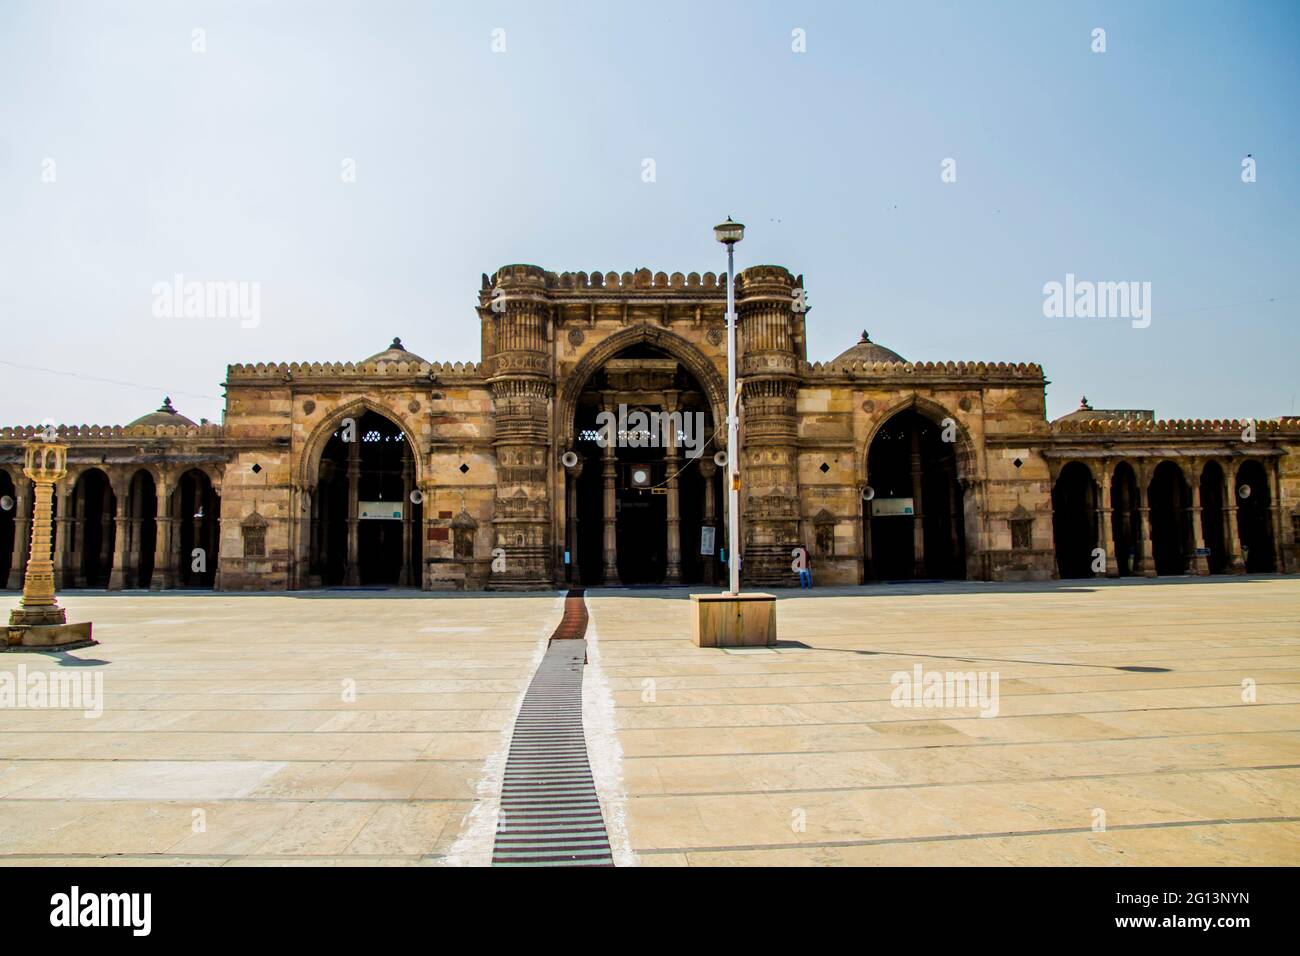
<point>1165,517</point>
<point>117,528</point>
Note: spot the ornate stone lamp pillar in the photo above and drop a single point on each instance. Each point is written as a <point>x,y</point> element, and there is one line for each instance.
<point>38,620</point>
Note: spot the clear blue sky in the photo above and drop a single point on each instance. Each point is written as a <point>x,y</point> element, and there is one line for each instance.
<point>226,165</point>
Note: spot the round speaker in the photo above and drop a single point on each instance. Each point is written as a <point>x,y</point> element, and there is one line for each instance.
<point>1243,491</point>
<point>720,459</point>
<point>569,459</point>
<point>868,493</point>
<point>7,503</point>
<point>417,497</point>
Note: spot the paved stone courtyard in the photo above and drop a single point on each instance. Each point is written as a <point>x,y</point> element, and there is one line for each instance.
<point>370,727</point>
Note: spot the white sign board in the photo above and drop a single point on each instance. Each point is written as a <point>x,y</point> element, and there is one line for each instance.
<point>884,507</point>
<point>379,510</point>
<point>707,534</point>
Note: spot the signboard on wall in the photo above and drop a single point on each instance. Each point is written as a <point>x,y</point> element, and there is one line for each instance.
<point>707,535</point>
<point>379,510</point>
<point>885,507</point>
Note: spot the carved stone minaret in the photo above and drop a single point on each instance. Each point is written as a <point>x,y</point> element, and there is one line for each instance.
<point>517,330</point>
<point>769,308</point>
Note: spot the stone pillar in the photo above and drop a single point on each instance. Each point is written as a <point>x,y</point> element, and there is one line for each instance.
<point>672,461</point>
<point>708,468</point>
<point>164,556</point>
<point>1146,562</point>
<point>1104,516</point>
<point>107,535</point>
<point>22,531</point>
<point>62,533</point>
<point>1197,563</point>
<point>771,346</point>
<point>352,570</point>
<point>610,474</point>
<point>1279,524</point>
<point>44,464</point>
<point>117,576</point>
<point>918,521</point>
<point>408,484</point>
<point>571,514</point>
<point>134,526</point>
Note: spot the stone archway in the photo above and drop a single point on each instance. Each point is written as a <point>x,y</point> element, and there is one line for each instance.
<point>635,509</point>
<point>1074,520</point>
<point>1170,510</point>
<point>1255,517</point>
<point>364,519</point>
<point>918,463</point>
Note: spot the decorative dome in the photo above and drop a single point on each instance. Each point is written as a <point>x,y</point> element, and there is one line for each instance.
<point>395,353</point>
<point>1086,413</point>
<point>166,415</point>
<point>868,351</point>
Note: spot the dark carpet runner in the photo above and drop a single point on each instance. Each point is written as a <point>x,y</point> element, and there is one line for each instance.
<point>550,815</point>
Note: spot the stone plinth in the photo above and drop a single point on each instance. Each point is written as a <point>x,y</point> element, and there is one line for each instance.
<point>734,620</point>
<point>50,635</point>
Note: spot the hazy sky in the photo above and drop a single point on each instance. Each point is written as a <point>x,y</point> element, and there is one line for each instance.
<point>227,165</point>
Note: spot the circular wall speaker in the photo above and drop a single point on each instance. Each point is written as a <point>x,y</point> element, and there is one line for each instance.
<point>868,493</point>
<point>720,459</point>
<point>1243,491</point>
<point>7,503</point>
<point>569,459</point>
<point>417,497</point>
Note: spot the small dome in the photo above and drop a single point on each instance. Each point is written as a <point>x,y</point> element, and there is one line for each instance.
<point>868,351</point>
<point>395,353</point>
<point>166,415</point>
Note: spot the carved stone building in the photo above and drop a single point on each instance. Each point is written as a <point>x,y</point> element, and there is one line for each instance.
<point>396,471</point>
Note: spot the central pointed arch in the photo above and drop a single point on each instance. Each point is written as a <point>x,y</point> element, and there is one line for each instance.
<point>695,361</point>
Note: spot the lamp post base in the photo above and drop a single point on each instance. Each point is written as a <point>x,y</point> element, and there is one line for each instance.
<point>734,620</point>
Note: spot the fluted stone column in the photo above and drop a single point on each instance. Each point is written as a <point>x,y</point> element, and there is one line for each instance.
<point>1104,514</point>
<point>117,576</point>
<point>408,484</point>
<point>22,531</point>
<point>1146,563</point>
<point>1197,563</point>
<point>672,460</point>
<point>571,509</point>
<point>352,570</point>
<point>708,468</point>
<point>164,556</point>
<point>918,521</point>
<point>62,533</point>
<point>610,474</point>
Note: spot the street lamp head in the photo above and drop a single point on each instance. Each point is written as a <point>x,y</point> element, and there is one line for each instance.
<point>729,233</point>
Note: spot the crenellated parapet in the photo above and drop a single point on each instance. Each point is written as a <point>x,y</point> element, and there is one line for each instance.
<point>1016,373</point>
<point>82,433</point>
<point>280,372</point>
<point>1177,427</point>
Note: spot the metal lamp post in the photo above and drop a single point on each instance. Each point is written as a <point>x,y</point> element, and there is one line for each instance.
<point>729,233</point>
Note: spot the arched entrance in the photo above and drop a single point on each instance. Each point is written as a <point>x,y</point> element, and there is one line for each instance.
<point>638,506</point>
<point>8,524</point>
<point>95,530</point>
<point>1170,518</point>
<point>1125,518</point>
<point>364,529</point>
<point>913,523</point>
<point>1255,517</point>
<point>141,529</point>
<point>198,513</point>
<point>1074,520</point>
<point>1212,517</point>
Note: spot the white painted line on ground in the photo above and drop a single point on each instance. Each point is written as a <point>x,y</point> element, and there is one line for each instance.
<point>604,752</point>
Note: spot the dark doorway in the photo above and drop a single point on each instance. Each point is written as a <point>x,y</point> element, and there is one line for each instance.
<point>8,525</point>
<point>1170,518</point>
<point>1255,518</point>
<point>651,382</point>
<point>1074,520</point>
<point>198,515</point>
<point>96,509</point>
<point>1212,517</point>
<point>909,455</point>
<point>143,530</point>
<point>1125,518</point>
<point>388,524</point>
